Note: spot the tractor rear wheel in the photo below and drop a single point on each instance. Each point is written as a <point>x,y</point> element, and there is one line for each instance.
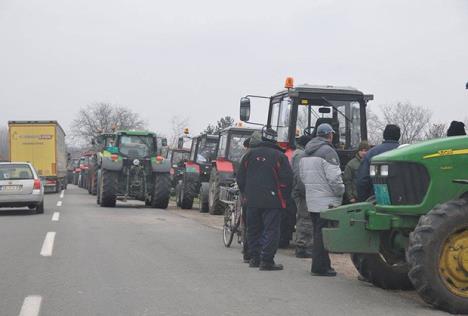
<point>177,193</point>
<point>188,192</point>
<point>216,206</point>
<point>109,188</point>
<point>438,256</point>
<point>381,273</point>
<point>204,205</point>
<point>162,190</point>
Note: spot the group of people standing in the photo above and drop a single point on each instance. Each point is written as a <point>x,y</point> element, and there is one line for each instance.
<point>313,180</point>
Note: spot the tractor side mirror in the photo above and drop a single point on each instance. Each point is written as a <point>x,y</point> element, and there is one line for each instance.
<point>164,142</point>
<point>324,110</point>
<point>93,142</point>
<point>245,109</point>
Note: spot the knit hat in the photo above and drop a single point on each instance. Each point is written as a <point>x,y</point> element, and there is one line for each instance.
<point>392,132</point>
<point>456,129</point>
<point>364,145</point>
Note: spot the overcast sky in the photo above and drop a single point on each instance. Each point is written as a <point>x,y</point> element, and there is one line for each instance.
<point>197,58</point>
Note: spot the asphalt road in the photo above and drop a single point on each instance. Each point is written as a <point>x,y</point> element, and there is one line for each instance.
<point>132,260</point>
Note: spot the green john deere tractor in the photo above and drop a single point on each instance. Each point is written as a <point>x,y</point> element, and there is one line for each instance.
<point>131,168</point>
<point>416,233</point>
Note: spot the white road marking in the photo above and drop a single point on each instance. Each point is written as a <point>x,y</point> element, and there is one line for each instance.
<point>48,245</point>
<point>31,306</point>
<point>61,194</point>
<point>55,217</point>
<point>59,203</point>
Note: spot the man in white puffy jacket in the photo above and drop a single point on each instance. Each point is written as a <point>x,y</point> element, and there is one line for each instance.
<point>320,172</point>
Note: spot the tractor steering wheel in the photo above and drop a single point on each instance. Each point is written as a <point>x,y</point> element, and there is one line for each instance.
<point>308,131</point>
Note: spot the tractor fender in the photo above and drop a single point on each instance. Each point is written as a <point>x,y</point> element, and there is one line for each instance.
<point>163,166</point>
<point>225,170</point>
<point>112,165</point>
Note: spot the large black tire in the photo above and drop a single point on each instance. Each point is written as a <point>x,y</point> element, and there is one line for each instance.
<point>375,269</point>
<point>435,232</point>
<point>94,184</point>
<point>40,208</point>
<point>204,205</point>
<point>108,188</point>
<point>162,190</point>
<point>215,205</point>
<point>98,187</point>
<point>188,191</point>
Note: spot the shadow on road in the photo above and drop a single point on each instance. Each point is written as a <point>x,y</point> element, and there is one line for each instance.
<point>17,212</point>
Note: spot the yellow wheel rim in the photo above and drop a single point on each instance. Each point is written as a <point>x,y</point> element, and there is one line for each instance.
<point>453,265</point>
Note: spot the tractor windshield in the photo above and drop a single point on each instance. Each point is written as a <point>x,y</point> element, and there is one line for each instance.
<point>236,147</point>
<point>206,150</point>
<point>179,157</point>
<point>136,146</point>
<point>340,114</point>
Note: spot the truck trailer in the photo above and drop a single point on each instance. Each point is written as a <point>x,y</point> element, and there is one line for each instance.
<point>41,143</point>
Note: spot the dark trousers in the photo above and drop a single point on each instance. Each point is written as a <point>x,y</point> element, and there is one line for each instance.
<point>245,243</point>
<point>320,258</point>
<point>263,232</point>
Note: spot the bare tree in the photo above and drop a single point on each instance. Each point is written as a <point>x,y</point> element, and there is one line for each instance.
<point>436,130</point>
<point>104,118</point>
<point>4,147</point>
<point>221,124</point>
<point>177,128</point>
<point>375,128</point>
<point>413,120</point>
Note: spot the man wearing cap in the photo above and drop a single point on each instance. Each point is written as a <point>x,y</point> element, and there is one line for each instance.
<point>391,136</point>
<point>320,172</point>
<point>265,180</point>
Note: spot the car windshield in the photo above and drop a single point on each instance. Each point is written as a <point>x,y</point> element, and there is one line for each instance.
<point>236,147</point>
<point>179,156</point>
<point>15,172</point>
<point>207,150</point>
<point>136,146</point>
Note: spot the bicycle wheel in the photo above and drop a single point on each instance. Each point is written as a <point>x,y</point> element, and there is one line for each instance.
<point>228,228</point>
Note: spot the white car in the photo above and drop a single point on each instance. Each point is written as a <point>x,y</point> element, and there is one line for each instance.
<point>20,186</point>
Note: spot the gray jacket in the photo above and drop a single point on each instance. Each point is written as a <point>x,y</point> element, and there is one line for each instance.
<point>320,172</point>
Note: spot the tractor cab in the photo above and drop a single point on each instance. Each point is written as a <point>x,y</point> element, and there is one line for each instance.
<point>177,157</point>
<point>202,152</point>
<point>299,110</point>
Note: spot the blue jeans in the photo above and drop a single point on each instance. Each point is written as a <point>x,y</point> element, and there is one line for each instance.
<point>263,233</point>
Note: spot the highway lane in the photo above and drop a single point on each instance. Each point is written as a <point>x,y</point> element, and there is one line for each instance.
<point>132,260</point>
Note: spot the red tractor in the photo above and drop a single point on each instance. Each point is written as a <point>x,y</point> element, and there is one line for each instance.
<point>223,172</point>
<point>196,174</point>
<point>299,110</point>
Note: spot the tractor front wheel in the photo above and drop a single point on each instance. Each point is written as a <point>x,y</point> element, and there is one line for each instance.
<point>188,192</point>
<point>381,273</point>
<point>204,205</point>
<point>215,205</point>
<point>162,190</point>
<point>108,188</point>
<point>438,256</point>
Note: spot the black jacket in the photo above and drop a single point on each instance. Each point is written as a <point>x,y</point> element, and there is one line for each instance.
<point>363,180</point>
<point>265,176</point>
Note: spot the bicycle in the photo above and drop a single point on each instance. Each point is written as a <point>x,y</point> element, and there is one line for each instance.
<point>233,215</point>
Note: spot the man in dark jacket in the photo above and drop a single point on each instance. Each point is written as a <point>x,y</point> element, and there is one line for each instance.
<point>265,180</point>
<point>456,129</point>
<point>391,137</point>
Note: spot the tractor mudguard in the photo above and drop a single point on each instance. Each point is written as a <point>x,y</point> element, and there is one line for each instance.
<point>225,169</point>
<point>163,166</point>
<point>351,233</point>
<point>112,165</point>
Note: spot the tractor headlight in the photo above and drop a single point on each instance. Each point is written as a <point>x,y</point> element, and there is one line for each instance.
<point>384,170</point>
<point>373,170</point>
<point>136,162</point>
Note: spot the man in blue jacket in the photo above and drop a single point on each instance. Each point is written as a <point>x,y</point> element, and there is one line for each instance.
<point>364,186</point>
<point>265,180</point>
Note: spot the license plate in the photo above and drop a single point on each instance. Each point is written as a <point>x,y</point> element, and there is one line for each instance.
<point>10,187</point>
<point>381,194</point>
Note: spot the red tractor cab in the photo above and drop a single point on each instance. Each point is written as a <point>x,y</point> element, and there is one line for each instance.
<point>299,110</point>
<point>223,172</point>
<point>178,157</point>
<point>196,174</point>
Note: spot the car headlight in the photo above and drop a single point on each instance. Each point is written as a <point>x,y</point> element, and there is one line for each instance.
<point>384,170</point>
<point>373,170</point>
